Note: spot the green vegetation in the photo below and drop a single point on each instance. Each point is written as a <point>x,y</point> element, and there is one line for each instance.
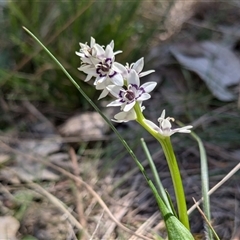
<point>61,25</point>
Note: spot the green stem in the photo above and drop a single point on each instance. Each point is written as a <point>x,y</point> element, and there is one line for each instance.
<point>172,164</point>
<point>177,180</point>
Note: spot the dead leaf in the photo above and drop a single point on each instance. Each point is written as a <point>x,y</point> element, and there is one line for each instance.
<point>4,158</point>
<point>31,170</point>
<point>8,227</point>
<point>236,235</point>
<point>88,126</point>
<point>218,66</point>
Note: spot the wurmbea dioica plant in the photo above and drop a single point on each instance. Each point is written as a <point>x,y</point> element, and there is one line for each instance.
<point>123,84</point>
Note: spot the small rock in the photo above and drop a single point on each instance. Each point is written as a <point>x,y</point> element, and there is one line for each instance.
<point>8,227</point>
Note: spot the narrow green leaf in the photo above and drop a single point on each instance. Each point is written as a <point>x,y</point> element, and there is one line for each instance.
<point>205,185</point>
<point>156,176</point>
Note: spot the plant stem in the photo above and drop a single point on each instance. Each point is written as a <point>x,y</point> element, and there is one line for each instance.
<point>172,164</point>
<point>177,180</point>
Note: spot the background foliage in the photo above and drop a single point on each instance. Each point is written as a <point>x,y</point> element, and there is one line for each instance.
<point>61,25</point>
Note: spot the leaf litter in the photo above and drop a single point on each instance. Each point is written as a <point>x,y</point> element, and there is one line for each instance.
<point>217,66</point>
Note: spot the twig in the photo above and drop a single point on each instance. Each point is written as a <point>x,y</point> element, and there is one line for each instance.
<point>147,224</point>
<point>120,212</point>
<point>206,220</point>
<point>213,189</point>
<point>79,204</point>
<point>98,224</point>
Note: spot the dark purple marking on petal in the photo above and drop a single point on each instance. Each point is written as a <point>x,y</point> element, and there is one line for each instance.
<point>113,74</point>
<point>121,94</point>
<point>135,86</point>
<point>142,89</point>
<point>130,101</point>
<point>100,73</point>
<point>108,60</point>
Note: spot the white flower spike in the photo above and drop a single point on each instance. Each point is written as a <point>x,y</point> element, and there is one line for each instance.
<point>126,98</point>
<point>165,126</point>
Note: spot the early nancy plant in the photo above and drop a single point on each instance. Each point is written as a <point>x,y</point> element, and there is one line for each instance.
<point>122,83</point>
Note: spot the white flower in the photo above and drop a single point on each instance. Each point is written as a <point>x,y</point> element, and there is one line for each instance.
<point>126,116</point>
<point>126,98</point>
<point>138,67</point>
<point>90,56</point>
<point>100,63</point>
<point>103,86</point>
<point>109,69</point>
<point>86,53</point>
<point>165,126</point>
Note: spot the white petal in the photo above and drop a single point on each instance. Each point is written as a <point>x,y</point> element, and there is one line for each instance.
<point>111,44</point>
<point>99,51</point>
<point>119,68</point>
<point>152,125</point>
<point>114,90</point>
<point>165,124</point>
<point>144,96</point>
<point>128,106</point>
<point>184,129</point>
<point>79,54</point>
<point>149,86</point>
<point>89,76</point>
<point>104,84</point>
<point>167,133</point>
<point>99,80</point>
<point>103,94</point>
<point>100,85</point>
<point>115,103</point>
<point>142,74</point>
<point>138,66</point>
<point>125,116</point>
<point>88,69</point>
<point>117,79</point>
<point>92,42</point>
<point>162,116</point>
<point>94,61</point>
<point>109,52</point>
<point>117,52</point>
<point>87,61</point>
<point>133,78</point>
<point>83,45</point>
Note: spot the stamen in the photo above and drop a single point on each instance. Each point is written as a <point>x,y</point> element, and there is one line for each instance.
<point>105,68</point>
<point>129,95</point>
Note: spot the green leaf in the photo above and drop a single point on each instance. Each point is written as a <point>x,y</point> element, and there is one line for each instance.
<point>176,230</point>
